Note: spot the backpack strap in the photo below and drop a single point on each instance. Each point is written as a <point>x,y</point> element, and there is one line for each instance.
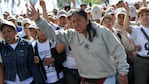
<point>145,34</point>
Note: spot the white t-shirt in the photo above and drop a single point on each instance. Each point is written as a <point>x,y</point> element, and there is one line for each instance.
<point>140,39</point>
<point>44,50</point>
<point>70,59</point>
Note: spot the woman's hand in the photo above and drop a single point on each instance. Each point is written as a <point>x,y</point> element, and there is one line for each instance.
<point>123,79</point>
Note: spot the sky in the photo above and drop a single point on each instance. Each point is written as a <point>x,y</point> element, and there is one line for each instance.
<point>17,8</point>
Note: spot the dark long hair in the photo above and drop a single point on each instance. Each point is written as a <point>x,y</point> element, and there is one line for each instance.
<point>91,31</point>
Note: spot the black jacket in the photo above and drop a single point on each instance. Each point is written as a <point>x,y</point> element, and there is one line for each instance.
<point>59,59</point>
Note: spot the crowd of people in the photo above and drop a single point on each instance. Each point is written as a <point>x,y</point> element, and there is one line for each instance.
<point>94,45</point>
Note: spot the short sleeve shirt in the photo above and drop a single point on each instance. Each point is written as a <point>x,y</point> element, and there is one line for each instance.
<point>140,39</point>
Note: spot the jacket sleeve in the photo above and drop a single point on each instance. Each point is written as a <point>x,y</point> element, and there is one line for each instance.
<point>127,45</point>
<point>46,28</point>
<point>60,36</point>
<point>116,50</point>
<point>59,57</point>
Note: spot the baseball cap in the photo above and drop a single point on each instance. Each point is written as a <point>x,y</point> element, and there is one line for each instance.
<point>70,12</point>
<point>7,23</point>
<point>110,11</point>
<point>96,12</point>
<point>11,18</point>
<point>132,11</point>
<point>26,20</point>
<point>120,11</point>
<point>33,25</point>
<point>106,16</point>
<point>61,13</point>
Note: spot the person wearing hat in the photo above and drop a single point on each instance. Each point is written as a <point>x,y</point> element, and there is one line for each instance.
<point>44,50</point>
<point>71,75</point>
<point>61,18</point>
<point>14,21</point>
<point>17,56</point>
<point>33,31</point>
<point>25,32</point>
<point>129,47</point>
<point>96,13</point>
<point>5,15</point>
<point>111,11</point>
<point>120,14</point>
<point>140,36</point>
<point>96,58</point>
<point>83,6</point>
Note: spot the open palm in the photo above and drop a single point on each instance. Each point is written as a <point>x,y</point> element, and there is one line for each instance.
<point>33,13</point>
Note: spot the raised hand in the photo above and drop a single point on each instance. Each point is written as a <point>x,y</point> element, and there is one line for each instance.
<point>33,13</point>
<point>126,6</point>
<point>42,4</point>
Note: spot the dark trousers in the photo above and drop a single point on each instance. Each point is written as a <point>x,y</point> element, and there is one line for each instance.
<point>141,70</point>
<point>71,76</point>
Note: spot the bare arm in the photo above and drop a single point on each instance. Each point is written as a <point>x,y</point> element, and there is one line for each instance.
<point>126,19</point>
<point>44,11</point>
<point>60,48</point>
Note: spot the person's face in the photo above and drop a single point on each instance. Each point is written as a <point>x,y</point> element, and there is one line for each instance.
<point>41,36</point>
<point>9,34</point>
<point>107,22</point>
<point>62,21</point>
<point>83,7</point>
<point>144,18</point>
<point>26,30</point>
<point>113,18</point>
<point>121,19</point>
<point>80,23</point>
<point>33,32</point>
<point>70,22</point>
<point>5,17</point>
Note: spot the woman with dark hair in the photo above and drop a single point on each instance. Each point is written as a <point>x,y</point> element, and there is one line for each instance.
<point>17,58</point>
<point>97,51</point>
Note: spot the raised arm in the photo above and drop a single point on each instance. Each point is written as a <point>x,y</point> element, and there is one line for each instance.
<point>44,11</point>
<point>42,23</point>
<point>126,19</point>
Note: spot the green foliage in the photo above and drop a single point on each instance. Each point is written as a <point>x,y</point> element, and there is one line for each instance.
<point>91,1</point>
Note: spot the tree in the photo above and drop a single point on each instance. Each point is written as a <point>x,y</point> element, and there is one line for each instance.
<point>92,2</point>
